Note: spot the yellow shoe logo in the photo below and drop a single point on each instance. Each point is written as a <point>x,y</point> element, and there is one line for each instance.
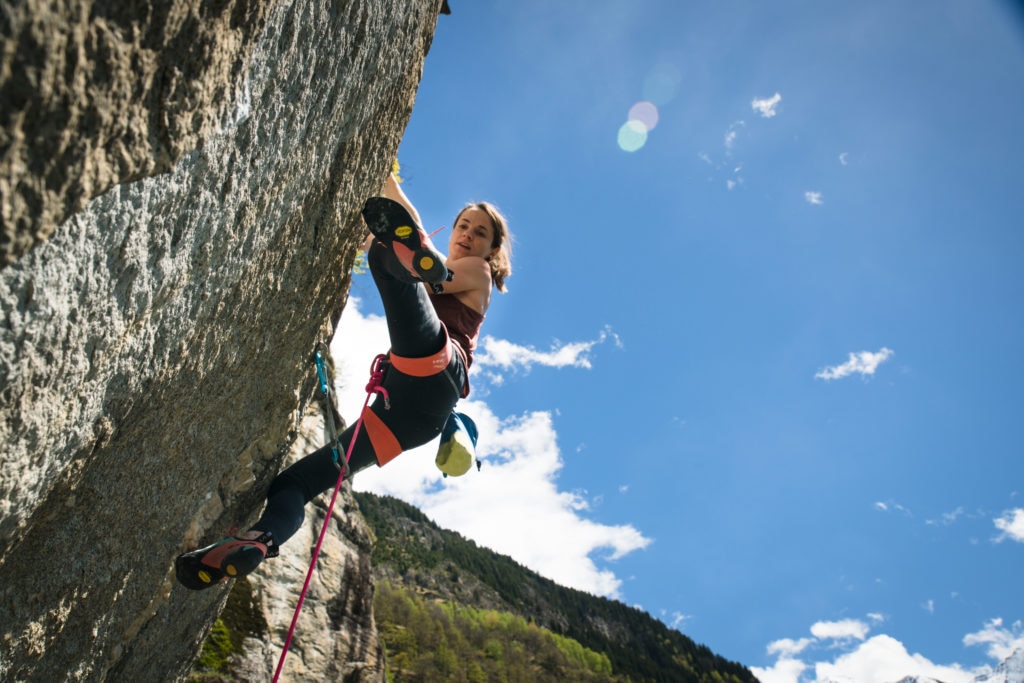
<point>403,231</point>
<point>426,263</point>
<point>204,576</point>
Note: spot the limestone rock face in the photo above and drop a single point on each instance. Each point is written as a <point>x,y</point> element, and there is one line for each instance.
<point>154,351</point>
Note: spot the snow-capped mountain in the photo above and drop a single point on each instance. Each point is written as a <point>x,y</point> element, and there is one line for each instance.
<point>1011,670</point>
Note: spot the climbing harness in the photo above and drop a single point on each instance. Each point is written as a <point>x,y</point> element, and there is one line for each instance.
<point>373,387</point>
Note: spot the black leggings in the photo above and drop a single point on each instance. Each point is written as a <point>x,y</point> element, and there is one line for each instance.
<point>419,405</point>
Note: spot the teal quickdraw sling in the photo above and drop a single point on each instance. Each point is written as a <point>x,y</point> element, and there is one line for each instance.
<point>325,389</point>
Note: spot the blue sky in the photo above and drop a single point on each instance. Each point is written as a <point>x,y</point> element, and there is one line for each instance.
<point>759,371</point>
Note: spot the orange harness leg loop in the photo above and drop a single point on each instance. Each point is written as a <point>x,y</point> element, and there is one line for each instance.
<point>424,367</point>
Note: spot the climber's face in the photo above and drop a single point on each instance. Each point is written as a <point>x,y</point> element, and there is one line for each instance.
<point>472,235</point>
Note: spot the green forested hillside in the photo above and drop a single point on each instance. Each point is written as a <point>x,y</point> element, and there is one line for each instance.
<point>427,640</point>
<point>457,582</point>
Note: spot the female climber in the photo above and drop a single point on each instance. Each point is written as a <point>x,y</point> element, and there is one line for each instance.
<point>434,307</point>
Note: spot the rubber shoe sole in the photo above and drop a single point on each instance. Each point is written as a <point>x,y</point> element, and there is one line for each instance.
<point>231,558</point>
<point>393,226</point>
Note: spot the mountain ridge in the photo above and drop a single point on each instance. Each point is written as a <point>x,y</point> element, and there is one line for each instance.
<point>412,550</point>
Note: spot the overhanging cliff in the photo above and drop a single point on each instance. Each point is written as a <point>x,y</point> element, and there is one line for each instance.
<point>180,185</point>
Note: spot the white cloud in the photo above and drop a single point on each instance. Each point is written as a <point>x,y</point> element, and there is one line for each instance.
<point>1012,526</point>
<point>787,647</point>
<point>513,504</point>
<point>847,629</point>
<point>502,354</point>
<point>814,198</point>
<point>841,651</point>
<point>883,658</point>
<point>729,141</point>
<point>891,506</point>
<point>732,134</point>
<point>1001,642</point>
<point>863,363</point>
<point>785,670</point>
<point>843,158</point>
<point>766,107</point>
<point>678,619</point>
<point>947,518</point>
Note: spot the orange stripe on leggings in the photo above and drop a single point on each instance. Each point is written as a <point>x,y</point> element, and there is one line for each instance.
<point>385,445</point>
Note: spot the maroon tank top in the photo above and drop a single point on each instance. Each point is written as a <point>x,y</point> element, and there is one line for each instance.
<point>463,323</point>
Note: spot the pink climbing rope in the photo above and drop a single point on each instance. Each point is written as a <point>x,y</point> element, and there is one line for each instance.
<point>372,387</point>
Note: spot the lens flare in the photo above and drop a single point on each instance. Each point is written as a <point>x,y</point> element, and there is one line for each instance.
<point>646,113</point>
<point>661,84</point>
<point>632,136</point>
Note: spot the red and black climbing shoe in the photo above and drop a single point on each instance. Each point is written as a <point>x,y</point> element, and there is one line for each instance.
<point>394,227</point>
<point>229,559</point>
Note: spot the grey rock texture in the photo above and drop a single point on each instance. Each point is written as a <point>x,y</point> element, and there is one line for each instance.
<point>97,93</point>
<point>154,351</point>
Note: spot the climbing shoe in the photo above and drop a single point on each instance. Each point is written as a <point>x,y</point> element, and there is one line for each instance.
<point>394,227</point>
<point>229,559</point>
<point>457,451</point>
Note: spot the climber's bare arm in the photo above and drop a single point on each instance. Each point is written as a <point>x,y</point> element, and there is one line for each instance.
<point>393,191</point>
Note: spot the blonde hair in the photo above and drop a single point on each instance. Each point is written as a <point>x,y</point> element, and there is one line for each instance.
<point>501,262</point>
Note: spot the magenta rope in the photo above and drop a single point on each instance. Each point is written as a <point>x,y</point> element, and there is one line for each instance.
<point>376,374</point>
